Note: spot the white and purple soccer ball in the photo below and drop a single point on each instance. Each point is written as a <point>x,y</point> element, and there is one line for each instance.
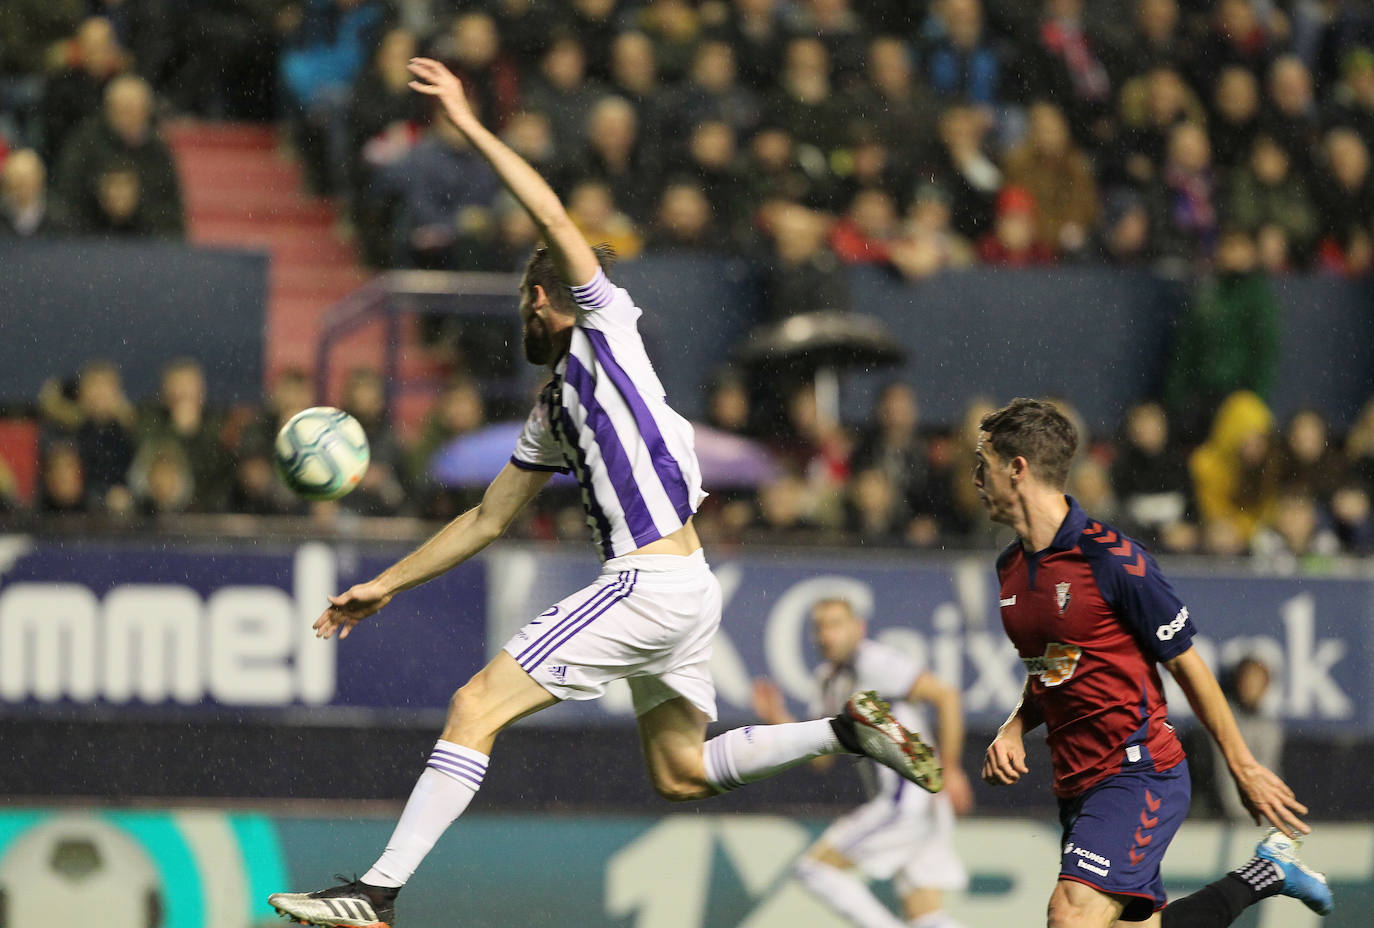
<point>321,453</point>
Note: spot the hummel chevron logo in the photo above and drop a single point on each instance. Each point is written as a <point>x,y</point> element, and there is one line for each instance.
<point>1105,536</point>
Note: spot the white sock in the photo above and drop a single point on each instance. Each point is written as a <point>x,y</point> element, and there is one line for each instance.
<point>743,755</point>
<point>450,780</point>
<point>846,894</point>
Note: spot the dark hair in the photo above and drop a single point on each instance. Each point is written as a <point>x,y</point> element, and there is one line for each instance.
<point>1036,431</point>
<point>540,270</point>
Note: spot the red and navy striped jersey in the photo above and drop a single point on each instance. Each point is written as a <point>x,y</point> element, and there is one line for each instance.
<point>1091,616</point>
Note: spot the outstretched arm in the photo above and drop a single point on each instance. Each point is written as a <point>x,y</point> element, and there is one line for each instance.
<point>451,546</point>
<point>574,258</point>
<point>1262,791</point>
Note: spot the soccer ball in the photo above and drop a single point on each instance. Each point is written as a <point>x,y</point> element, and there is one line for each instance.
<point>322,453</point>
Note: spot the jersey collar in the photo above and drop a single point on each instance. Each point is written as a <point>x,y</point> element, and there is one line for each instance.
<point>1071,529</point>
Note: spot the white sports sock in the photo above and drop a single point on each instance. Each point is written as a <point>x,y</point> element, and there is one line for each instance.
<point>450,779</point>
<point>846,894</point>
<point>743,755</point>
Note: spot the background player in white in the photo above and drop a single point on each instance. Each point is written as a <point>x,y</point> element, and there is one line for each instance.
<point>900,833</point>
<point>650,616</point>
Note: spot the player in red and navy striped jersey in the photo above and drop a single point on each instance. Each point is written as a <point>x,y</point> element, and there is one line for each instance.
<point>1092,617</point>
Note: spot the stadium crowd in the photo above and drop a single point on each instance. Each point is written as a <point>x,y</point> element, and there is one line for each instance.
<point>1222,140</point>
<point>1291,494</point>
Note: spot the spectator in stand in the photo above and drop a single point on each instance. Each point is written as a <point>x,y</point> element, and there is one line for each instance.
<point>1234,473</point>
<point>1268,199</point>
<point>711,91</point>
<point>784,512</point>
<point>775,170</point>
<point>615,155</point>
<point>562,91</point>
<point>1359,446</point>
<point>513,237</point>
<point>1309,464</point>
<point>1150,475</point>
<point>593,208</point>
<point>160,479</point>
<point>62,485</point>
<point>1297,538</point>
<point>150,30</point>
<point>328,47</point>
<point>445,192</point>
<point>595,23</point>
<point>105,436</point>
<point>1183,201</point>
<point>231,73</point>
<point>1345,203</point>
<point>892,446</point>
<point>727,404</point>
<point>490,77</point>
<point>874,510</point>
<point>869,162</point>
<point>805,103</point>
<point>181,415</point>
<point>864,234</point>
<point>1052,169</point>
<point>384,124</point>
<point>121,214</point>
<point>634,72</point>
<point>960,61</point>
<point>1227,341</point>
<point>1352,517</point>
<point>713,162</point>
<point>1152,106</point>
<point>1013,241</point>
<point>380,492</point>
<point>121,135</point>
<point>962,168</point>
<point>674,27</point>
<point>291,391</point>
<point>1235,116</point>
<point>75,93</point>
<point>1352,100</point>
<point>836,24</point>
<point>928,243</point>
<point>818,448</point>
<point>754,29</point>
<point>1156,38</point>
<point>34,41</point>
<point>1236,36</point>
<point>1123,237</point>
<point>893,101</point>
<point>1291,116</point>
<point>26,211</point>
<point>459,410</point>
<point>1066,65</point>
<point>801,275</point>
<point>684,221</point>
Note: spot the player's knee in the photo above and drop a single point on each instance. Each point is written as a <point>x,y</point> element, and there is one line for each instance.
<point>467,700</point>
<point>1064,913</point>
<point>676,787</point>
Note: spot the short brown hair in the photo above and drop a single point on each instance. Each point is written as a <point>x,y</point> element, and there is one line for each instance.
<point>540,270</point>
<point>1037,431</point>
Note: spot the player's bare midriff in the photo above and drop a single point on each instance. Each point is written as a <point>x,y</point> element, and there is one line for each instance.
<point>682,542</point>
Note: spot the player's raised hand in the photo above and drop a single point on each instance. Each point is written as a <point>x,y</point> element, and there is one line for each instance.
<point>350,607</point>
<point>434,79</point>
<point>1266,796</point>
<point>1005,760</point>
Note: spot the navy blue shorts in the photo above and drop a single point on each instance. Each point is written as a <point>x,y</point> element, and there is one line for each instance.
<point>1116,833</point>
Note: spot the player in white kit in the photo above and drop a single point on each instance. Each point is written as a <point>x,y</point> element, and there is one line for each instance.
<point>900,833</point>
<point>649,617</point>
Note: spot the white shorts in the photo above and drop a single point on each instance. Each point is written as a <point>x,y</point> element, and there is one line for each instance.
<point>910,839</point>
<point>648,619</point>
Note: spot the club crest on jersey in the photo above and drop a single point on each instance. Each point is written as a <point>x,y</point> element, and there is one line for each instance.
<point>1061,595</point>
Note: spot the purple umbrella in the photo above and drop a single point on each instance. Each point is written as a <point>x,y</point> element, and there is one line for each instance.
<point>727,461</point>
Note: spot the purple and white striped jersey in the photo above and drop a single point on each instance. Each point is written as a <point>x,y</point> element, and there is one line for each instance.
<point>604,416</point>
